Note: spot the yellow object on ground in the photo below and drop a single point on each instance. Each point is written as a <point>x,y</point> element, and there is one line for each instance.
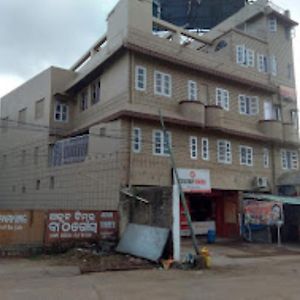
<point>206,256</point>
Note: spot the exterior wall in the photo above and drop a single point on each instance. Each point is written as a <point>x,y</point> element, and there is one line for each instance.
<point>207,93</point>
<point>26,96</point>
<point>282,48</point>
<point>113,94</point>
<point>149,169</point>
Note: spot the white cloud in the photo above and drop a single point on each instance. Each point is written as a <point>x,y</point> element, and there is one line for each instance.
<point>8,83</point>
<point>56,32</point>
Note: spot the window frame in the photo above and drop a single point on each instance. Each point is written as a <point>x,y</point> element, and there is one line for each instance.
<point>164,77</point>
<point>193,142</point>
<point>266,158</point>
<point>85,93</point>
<point>227,152</point>
<point>248,156</point>
<point>136,140</point>
<point>223,98</point>
<point>262,63</point>
<point>97,85</point>
<point>277,113</point>
<point>163,150</point>
<point>245,56</point>
<point>246,105</point>
<point>205,149</point>
<point>273,65</point>
<point>272,24</point>
<point>294,118</point>
<point>144,75</point>
<point>192,90</point>
<point>61,113</point>
<point>287,154</point>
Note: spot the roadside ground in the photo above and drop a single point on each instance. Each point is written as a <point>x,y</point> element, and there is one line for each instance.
<point>240,271</point>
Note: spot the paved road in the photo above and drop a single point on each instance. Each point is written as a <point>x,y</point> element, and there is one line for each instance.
<point>258,278</point>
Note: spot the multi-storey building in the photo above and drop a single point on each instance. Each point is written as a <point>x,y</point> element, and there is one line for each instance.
<point>74,138</point>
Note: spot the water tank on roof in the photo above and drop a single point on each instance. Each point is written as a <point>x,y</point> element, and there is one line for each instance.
<point>196,14</point>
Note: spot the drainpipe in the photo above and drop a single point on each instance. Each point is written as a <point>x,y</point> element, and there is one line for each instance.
<point>131,93</point>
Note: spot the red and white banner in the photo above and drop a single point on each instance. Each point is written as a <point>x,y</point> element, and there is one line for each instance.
<point>194,180</point>
<point>66,225</point>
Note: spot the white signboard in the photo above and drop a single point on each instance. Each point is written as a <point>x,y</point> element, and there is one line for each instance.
<point>194,181</point>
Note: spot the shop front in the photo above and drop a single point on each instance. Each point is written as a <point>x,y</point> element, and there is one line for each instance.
<point>218,211</point>
<point>210,209</point>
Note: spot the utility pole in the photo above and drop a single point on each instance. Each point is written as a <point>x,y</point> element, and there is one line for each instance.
<point>181,193</point>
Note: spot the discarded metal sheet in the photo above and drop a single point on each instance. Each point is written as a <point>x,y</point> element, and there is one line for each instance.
<point>144,241</point>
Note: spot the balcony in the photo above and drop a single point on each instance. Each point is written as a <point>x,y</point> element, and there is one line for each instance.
<point>69,151</point>
<point>214,116</point>
<point>193,111</point>
<point>271,129</point>
<point>290,133</point>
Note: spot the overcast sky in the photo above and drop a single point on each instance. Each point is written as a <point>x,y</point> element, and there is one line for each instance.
<point>35,34</point>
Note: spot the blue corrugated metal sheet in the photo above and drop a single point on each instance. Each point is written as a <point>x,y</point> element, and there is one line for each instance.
<point>144,241</point>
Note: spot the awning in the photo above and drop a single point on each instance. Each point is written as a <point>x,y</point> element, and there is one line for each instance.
<point>268,197</point>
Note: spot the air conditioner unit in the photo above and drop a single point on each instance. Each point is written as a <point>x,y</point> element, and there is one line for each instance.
<point>261,182</point>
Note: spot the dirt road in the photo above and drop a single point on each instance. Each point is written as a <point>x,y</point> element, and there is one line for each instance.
<point>247,278</point>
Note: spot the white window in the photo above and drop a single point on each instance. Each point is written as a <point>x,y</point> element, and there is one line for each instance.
<point>289,159</point>
<point>83,100</point>
<point>266,158</point>
<point>162,84</point>
<point>277,113</point>
<point>250,58</point>
<point>262,63</point>
<point>95,92</point>
<point>246,156</point>
<point>245,56</point>
<point>248,105</point>
<point>161,142</point>
<point>224,152</point>
<point>193,147</point>
<point>61,112</point>
<point>205,148</point>
<point>222,98</point>
<point>240,55</point>
<point>273,62</point>
<point>136,140</point>
<point>140,78</point>
<point>272,24</point>
<point>294,118</point>
<point>268,110</point>
<point>192,90</point>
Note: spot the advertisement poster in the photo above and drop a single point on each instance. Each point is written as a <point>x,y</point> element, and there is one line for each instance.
<point>263,212</point>
<point>77,225</point>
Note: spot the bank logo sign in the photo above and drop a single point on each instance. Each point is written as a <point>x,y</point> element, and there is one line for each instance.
<point>194,180</point>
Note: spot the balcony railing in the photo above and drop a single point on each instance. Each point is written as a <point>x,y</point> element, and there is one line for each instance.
<point>69,151</point>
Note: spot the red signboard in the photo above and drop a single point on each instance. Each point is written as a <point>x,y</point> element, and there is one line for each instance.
<point>68,225</point>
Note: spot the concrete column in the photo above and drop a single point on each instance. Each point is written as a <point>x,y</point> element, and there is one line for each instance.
<point>176,223</point>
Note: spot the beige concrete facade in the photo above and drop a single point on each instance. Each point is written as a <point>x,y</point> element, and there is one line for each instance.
<point>50,108</point>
